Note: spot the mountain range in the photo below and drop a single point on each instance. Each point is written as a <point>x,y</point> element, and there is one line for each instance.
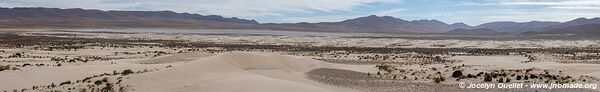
<point>515,27</point>
<point>89,18</point>
<point>476,31</point>
<point>68,18</point>
<point>371,23</point>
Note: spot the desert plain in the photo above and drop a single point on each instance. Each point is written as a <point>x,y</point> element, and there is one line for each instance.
<point>180,60</point>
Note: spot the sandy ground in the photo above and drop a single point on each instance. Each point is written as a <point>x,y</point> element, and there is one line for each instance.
<point>183,69</point>
<point>183,57</point>
<point>514,62</point>
<point>235,72</point>
<point>345,40</point>
<point>47,75</point>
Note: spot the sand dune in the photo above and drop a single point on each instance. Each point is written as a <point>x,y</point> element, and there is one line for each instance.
<point>181,57</point>
<point>35,76</point>
<point>236,72</point>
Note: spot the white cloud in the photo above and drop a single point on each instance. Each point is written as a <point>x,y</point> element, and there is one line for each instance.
<point>231,8</point>
<point>577,7</point>
<point>528,10</point>
<point>547,15</point>
<point>314,19</point>
<point>553,2</point>
<point>389,12</point>
<point>564,4</point>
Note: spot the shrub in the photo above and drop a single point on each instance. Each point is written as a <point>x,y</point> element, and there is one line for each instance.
<point>126,72</point>
<point>470,76</point>
<point>52,85</point>
<point>532,76</point>
<point>98,82</point>
<point>105,79</point>
<point>457,74</point>
<point>386,68</point>
<point>63,83</point>
<point>108,88</point>
<point>17,55</point>
<point>518,77</point>
<point>86,79</point>
<point>501,80</point>
<point>26,64</point>
<point>438,79</point>
<point>487,78</point>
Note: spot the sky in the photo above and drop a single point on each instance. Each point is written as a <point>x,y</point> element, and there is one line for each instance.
<point>472,12</point>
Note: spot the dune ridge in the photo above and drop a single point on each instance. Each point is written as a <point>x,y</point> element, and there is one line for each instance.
<point>236,72</point>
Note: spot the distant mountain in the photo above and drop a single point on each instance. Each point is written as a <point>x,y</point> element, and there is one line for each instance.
<point>579,26</point>
<point>87,18</point>
<point>435,25</point>
<point>460,25</point>
<point>582,21</point>
<point>370,23</point>
<point>575,22</point>
<point>516,27</point>
<point>587,29</point>
<point>480,31</point>
<point>578,30</point>
<point>55,17</point>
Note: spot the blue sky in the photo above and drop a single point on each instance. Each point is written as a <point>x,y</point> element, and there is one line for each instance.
<point>472,12</point>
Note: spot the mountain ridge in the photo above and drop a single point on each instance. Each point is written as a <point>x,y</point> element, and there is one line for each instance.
<point>39,17</point>
<point>77,17</point>
<point>371,23</point>
<point>479,31</point>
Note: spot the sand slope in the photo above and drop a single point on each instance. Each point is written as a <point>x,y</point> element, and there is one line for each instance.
<point>36,76</point>
<point>181,57</point>
<point>235,72</point>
